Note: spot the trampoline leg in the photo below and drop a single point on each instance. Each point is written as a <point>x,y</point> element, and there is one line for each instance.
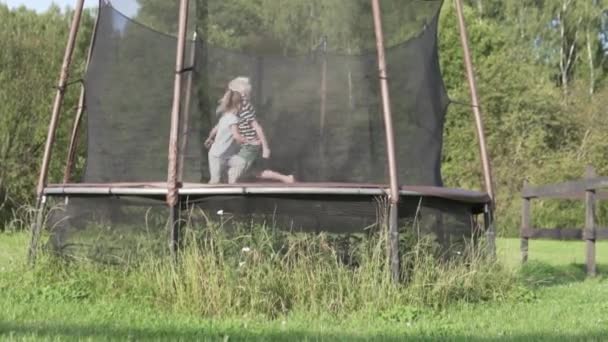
<point>393,226</point>
<point>488,221</point>
<point>36,230</point>
<point>175,222</point>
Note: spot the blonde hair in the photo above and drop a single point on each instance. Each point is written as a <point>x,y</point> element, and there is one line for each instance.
<point>241,85</point>
<point>230,102</point>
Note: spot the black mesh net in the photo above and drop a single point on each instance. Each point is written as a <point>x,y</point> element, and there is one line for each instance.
<point>314,76</point>
<point>122,230</point>
<point>320,110</point>
<point>108,230</point>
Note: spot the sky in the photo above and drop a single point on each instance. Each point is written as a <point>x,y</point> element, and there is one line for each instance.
<point>41,5</point>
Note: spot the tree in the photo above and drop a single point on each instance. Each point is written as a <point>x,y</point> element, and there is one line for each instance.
<point>31,48</point>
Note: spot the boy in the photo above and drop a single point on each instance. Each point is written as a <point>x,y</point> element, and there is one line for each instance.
<point>254,143</point>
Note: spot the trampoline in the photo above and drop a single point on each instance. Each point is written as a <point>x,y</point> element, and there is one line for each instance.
<point>352,105</point>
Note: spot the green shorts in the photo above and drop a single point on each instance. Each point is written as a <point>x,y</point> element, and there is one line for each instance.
<point>246,164</point>
<point>250,153</point>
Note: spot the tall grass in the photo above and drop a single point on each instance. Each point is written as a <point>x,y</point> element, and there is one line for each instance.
<point>261,271</point>
<point>252,270</point>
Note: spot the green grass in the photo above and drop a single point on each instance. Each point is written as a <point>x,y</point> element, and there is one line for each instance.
<point>550,252</point>
<point>553,301</point>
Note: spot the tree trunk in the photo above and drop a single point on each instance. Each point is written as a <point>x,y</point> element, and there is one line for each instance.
<point>480,10</point>
<point>562,54</point>
<point>591,64</point>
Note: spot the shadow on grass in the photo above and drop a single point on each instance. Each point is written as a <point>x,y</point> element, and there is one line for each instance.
<point>542,274</point>
<point>104,332</point>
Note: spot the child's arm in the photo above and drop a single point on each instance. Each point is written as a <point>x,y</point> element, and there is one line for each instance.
<point>236,134</point>
<point>260,132</point>
<point>212,134</point>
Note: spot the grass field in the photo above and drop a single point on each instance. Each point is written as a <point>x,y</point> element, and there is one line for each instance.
<point>553,302</point>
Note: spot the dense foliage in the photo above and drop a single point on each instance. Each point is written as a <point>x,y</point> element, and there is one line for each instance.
<point>31,50</point>
<point>541,68</point>
<point>541,65</point>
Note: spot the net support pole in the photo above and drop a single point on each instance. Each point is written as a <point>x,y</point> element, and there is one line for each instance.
<point>59,96</point>
<point>259,82</point>
<point>323,106</point>
<point>172,172</point>
<point>69,164</point>
<point>485,159</point>
<point>50,138</point>
<point>488,219</point>
<point>186,113</point>
<point>390,144</point>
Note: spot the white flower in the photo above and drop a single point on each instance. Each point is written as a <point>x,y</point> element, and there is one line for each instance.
<point>246,250</point>
<point>220,212</point>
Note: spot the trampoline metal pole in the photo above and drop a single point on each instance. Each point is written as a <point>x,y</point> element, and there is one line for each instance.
<point>485,159</point>
<point>390,143</point>
<point>59,95</point>
<point>50,138</point>
<point>69,164</point>
<point>323,107</point>
<point>186,112</point>
<point>172,172</point>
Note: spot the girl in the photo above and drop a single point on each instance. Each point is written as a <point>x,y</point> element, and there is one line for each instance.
<point>224,137</point>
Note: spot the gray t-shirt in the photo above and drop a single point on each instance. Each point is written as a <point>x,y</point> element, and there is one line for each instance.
<point>224,144</point>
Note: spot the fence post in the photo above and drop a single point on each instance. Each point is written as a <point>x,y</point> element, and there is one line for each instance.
<point>525,226</point>
<point>590,226</point>
<point>488,218</point>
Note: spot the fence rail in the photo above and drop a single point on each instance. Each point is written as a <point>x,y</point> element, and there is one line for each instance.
<point>567,190</point>
<point>588,189</point>
<point>564,233</point>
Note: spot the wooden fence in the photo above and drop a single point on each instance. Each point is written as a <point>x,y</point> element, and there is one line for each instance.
<point>587,189</point>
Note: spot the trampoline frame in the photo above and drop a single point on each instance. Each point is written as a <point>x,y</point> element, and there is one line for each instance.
<point>159,189</point>
<point>174,191</point>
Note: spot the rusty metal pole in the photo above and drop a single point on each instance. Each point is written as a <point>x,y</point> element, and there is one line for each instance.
<point>50,138</point>
<point>172,183</point>
<point>186,111</point>
<point>323,108</point>
<point>390,144</point>
<point>481,138</point>
<point>59,95</point>
<point>485,159</point>
<point>69,164</point>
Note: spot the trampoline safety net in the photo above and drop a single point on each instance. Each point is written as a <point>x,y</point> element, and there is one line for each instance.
<point>319,106</point>
<point>313,71</point>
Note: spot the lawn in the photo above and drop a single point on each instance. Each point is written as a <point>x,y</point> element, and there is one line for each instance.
<point>554,302</point>
<point>557,253</point>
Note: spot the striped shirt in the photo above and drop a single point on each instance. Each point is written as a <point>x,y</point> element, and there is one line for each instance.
<point>246,118</point>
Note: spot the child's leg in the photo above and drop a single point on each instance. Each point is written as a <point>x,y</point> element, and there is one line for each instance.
<point>236,168</point>
<point>273,175</point>
<point>215,169</point>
